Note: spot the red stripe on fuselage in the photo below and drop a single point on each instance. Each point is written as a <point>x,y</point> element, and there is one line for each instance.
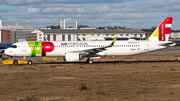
<point>47,47</point>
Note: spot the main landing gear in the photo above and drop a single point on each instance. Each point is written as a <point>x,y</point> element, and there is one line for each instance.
<point>89,60</point>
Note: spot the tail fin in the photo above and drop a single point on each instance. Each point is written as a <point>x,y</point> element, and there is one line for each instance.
<point>162,31</point>
<point>45,38</point>
<point>79,39</point>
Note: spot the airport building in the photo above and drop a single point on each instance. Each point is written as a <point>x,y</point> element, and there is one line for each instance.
<point>20,32</point>
<point>14,33</point>
<point>175,34</point>
<point>85,34</point>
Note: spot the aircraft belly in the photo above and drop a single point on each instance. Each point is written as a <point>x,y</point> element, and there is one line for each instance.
<point>122,51</point>
<point>55,52</point>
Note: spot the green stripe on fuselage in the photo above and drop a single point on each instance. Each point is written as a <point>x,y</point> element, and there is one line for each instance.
<point>36,48</point>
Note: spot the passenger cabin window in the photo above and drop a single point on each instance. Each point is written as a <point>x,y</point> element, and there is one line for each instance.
<point>47,46</point>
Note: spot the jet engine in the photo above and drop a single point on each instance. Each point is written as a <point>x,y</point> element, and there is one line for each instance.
<point>72,57</point>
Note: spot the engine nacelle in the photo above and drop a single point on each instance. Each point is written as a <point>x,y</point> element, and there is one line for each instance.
<point>72,57</point>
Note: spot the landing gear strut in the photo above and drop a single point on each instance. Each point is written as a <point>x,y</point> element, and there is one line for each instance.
<point>89,60</point>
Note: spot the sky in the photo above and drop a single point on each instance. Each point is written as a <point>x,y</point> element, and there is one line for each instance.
<point>135,14</point>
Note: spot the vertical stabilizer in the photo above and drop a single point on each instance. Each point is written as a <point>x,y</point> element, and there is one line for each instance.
<point>162,31</point>
<point>79,38</point>
<point>45,38</point>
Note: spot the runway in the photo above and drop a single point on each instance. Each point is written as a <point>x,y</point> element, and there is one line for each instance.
<point>101,62</point>
<point>165,52</point>
<point>154,75</point>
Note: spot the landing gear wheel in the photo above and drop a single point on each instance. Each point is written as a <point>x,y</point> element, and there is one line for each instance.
<point>30,62</point>
<point>90,61</point>
<point>15,62</point>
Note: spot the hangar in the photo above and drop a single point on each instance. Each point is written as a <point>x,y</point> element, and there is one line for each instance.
<point>14,33</point>
<point>85,34</point>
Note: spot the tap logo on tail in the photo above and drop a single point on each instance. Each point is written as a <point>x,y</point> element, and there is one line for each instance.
<point>162,31</point>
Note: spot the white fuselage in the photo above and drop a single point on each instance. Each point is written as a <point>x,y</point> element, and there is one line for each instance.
<point>120,48</point>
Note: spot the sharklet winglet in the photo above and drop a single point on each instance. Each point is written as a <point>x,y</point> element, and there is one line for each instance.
<point>112,44</point>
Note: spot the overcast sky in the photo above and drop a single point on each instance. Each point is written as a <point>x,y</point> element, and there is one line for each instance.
<point>128,13</point>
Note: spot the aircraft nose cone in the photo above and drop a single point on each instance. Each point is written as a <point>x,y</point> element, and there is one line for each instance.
<point>7,52</point>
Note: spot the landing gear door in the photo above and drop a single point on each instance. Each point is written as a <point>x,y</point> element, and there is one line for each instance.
<point>23,47</point>
<point>146,45</point>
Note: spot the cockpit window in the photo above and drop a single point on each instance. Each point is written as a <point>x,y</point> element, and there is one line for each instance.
<point>13,46</point>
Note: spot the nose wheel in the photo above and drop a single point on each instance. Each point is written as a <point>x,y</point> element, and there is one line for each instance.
<point>89,60</point>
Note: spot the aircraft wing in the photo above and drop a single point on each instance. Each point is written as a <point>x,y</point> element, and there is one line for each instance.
<point>95,50</point>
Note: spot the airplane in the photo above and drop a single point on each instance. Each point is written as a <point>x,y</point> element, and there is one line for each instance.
<point>79,38</point>
<point>73,51</point>
<point>3,46</point>
<point>45,38</point>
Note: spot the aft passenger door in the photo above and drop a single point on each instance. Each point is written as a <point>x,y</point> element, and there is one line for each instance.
<point>146,45</point>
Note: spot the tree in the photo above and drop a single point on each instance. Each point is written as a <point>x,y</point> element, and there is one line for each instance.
<point>116,27</point>
<point>153,28</point>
